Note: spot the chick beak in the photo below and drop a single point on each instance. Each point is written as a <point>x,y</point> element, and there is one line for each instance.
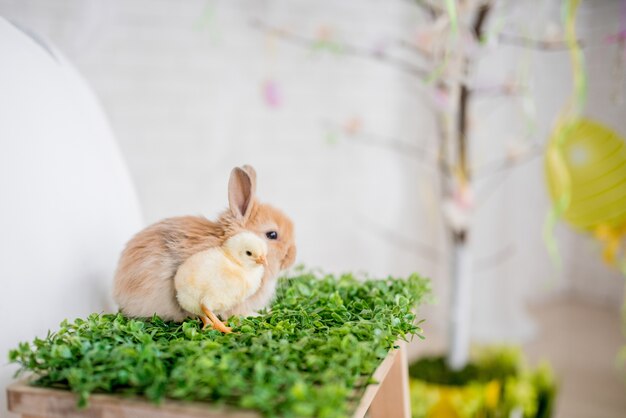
<point>261,260</point>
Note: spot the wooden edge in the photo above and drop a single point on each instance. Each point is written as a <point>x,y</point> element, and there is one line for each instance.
<point>45,402</point>
<point>392,399</point>
<point>379,375</point>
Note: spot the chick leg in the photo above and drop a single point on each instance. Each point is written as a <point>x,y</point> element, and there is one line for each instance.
<point>217,324</point>
<point>205,322</point>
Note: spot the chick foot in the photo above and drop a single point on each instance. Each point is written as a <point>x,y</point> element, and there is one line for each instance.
<point>214,320</point>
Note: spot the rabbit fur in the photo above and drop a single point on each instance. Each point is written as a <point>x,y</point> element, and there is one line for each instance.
<point>144,280</point>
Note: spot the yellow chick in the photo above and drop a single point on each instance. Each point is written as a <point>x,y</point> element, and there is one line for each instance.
<point>217,279</point>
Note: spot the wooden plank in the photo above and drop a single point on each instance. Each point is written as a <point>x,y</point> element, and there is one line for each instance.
<point>55,403</point>
<point>392,399</point>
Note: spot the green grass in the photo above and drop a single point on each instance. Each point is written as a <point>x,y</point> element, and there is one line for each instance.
<point>322,339</point>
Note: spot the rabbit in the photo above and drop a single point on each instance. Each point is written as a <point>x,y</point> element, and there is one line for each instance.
<point>144,279</point>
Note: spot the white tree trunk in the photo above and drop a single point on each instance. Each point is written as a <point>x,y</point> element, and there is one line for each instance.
<point>460,307</point>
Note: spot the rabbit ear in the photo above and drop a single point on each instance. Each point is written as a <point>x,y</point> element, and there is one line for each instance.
<point>252,174</point>
<point>241,188</point>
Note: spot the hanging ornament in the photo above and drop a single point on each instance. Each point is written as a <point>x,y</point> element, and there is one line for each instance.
<point>331,137</point>
<point>516,150</point>
<point>441,98</point>
<point>619,73</point>
<point>586,171</point>
<point>424,41</point>
<point>553,33</point>
<point>617,37</point>
<point>207,21</point>
<point>619,63</point>
<point>458,206</point>
<point>325,40</point>
<point>568,120</point>
<point>464,198</point>
<point>380,48</point>
<point>621,34</point>
<point>353,126</point>
<point>270,89</point>
<point>271,93</point>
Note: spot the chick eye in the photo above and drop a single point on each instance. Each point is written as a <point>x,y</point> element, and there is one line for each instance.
<point>248,253</point>
<point>271,235</point>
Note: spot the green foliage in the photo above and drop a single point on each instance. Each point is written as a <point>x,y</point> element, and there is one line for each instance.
<point>497,383</point>
<point>489,364</point>
<point>543,381</point>
<point>322,340</point>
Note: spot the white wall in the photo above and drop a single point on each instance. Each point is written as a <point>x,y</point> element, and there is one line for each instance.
<point>183,95</point>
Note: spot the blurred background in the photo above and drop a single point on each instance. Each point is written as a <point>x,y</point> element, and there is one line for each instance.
<point>336,105</point>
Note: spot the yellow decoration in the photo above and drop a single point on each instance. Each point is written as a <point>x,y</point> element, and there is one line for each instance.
<point>492,394</point>
<point>586,172</point>
<point>612,238</point>
<point>444,408</point>
<point>474,400</point>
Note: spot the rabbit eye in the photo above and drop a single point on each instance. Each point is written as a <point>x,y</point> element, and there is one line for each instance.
<point>271,235</point>
<point>248,253</point>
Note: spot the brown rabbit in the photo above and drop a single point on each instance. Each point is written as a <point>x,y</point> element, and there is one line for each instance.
<point>144,281</point>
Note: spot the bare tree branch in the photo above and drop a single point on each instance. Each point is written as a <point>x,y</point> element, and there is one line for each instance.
<point>506,39</point>
<point>346,49</point>
<point>404,148</point>
<point>464,97</point>
<point>507,163</point>
<point>499,90</point>
<point>401,241</point>
<point>479,21</point>
<point>501,166</point>
<point>434,10</point>
<point>414,48</point>
<point>538,44</point>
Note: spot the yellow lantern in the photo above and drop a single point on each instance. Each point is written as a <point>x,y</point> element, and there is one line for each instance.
<point>586,173</point>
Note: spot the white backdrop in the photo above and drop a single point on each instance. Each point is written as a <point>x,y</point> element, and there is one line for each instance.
<point>181,84</point>
<point>68,204</point>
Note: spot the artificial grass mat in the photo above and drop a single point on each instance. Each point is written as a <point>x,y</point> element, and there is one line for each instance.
<point>308,355</point>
